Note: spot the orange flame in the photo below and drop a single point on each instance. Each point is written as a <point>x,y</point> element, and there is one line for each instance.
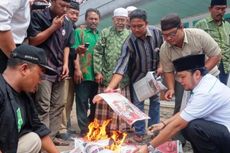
<point>98,132</point>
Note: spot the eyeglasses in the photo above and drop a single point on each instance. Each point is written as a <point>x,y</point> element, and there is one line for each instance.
<point>171,34</point>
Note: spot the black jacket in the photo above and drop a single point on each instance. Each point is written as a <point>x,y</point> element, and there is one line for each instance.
<point>8,120</point>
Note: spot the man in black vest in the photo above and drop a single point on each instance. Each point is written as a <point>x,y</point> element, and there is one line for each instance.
<point>21,129</point>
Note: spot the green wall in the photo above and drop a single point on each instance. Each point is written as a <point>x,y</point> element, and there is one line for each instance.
<point>156,9</point>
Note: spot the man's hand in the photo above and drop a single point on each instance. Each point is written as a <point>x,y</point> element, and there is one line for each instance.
<point>99,78</point>
<point>141,149</point>
<point>78,77</point>
<point>159,71</point>
<point>169,94</point>
<point>81,49</point>
<point>58,22</point>
<point>97,99</point>
<point>65,72</point>
<point>156,127</point>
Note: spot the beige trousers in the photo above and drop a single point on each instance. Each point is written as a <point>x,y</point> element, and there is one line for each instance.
<point>68,102</point>
<point>29,143</point>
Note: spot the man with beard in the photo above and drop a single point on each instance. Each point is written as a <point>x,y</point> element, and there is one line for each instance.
<point>219,29</point>
<point>107,53</point>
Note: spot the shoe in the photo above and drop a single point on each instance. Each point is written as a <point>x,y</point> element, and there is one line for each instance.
<point>64,136</point>
<point>71,131</point>
<point>60,142</point>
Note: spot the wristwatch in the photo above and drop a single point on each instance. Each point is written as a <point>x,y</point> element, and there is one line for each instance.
<point>150,147</point>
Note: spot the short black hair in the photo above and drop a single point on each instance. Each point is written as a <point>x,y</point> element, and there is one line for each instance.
<point>92,10</point>
<point>138,13</point>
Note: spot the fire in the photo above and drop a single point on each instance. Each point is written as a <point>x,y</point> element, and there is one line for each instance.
<point>98,132</point>
<point>117,138</point>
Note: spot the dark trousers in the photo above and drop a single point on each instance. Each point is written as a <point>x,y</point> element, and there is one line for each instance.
<point>179,91</point>
<point>207,137</point>
<point>223,76</point>
<point>85,92</point>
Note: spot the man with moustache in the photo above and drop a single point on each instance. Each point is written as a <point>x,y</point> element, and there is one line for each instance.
<point>106,53</point>
<point>219,29</point>
<point>86,87</point>
<point>51,30</point>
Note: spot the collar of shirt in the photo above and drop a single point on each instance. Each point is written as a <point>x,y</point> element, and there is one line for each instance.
<point>88,30</point>
<point>48,13</point>
<point>210,19</point>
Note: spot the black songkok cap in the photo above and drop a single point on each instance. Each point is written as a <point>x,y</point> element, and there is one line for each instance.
<point>74,5</point>
<point>190,62</point>
<point>170,21</point>
<point>218,2</point>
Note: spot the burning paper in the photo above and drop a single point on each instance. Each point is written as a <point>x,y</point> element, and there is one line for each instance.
<point>100,146</point>
<point>97,140</point>
<point>123,107</point>
<point>98,132</point>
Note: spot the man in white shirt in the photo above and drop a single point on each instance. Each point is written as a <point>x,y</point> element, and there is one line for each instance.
<point>205,121</point>
<point>14,21</point>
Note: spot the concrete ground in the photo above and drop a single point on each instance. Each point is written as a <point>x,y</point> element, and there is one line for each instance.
<point>166,112</point>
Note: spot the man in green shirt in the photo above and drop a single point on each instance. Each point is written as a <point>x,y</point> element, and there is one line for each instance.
<point>86,87</point>
<point>219,29</point>
<point>107,53</point>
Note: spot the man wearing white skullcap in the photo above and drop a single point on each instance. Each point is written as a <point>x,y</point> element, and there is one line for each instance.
<point>130,9</point>
<point>106,54</point>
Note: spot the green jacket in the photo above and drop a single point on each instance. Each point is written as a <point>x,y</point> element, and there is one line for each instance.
<point>107,53</point>
<point>221,34</point>
<point>83,36</point>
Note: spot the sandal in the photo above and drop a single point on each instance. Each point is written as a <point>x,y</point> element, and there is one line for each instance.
<point>60,142</point>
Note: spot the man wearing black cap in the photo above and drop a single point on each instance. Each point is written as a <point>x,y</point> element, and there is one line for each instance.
<point>205,121</point>
<point>219,29</point>
<point>181,42</point>
<point>21,130</point>
<point>73,12</point>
